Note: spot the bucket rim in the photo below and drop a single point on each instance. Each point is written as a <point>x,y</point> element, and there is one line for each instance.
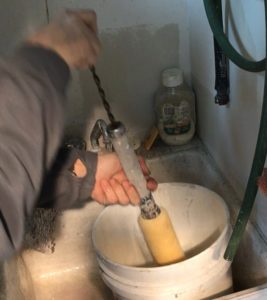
<point>189,260</point>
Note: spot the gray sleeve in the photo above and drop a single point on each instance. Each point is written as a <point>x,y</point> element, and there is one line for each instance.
<point>32,88</point>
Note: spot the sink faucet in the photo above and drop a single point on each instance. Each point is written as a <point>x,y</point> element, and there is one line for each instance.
<point>100,129</point>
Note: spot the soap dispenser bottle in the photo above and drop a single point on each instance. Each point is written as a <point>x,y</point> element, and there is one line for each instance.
<point>175,108</point>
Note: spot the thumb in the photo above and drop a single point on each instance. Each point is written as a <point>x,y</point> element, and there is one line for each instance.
<point>151,184</point>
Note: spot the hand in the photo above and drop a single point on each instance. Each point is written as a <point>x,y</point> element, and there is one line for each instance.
<point>112,185</point>
<point>73,36</point>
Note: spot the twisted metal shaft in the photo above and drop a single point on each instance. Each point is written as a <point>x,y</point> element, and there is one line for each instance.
<point>149,209</point>
<point>102,95</point>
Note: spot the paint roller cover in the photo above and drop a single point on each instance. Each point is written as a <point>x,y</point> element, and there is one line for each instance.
<point>161,239</point>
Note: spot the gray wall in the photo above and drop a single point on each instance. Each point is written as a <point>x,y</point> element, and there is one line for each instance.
<point>230,132</point>
<point>18,19</point>
<point>140,39</point>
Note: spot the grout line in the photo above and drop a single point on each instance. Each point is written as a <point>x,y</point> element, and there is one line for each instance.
<point>47,11</point>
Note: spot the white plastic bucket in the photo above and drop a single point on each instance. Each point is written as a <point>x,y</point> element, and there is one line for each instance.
<point>201,221</point>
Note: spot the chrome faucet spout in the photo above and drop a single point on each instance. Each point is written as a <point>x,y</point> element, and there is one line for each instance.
<point>100,129</point>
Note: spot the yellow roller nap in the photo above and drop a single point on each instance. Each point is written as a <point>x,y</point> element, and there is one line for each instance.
<point>161,239</point>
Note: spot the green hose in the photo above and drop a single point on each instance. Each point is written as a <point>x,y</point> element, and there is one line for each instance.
<point>212,10</point>
<point>211,7</point>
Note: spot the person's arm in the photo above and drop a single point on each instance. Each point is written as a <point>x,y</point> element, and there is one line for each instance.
<point>32,88</point>
<point>79,175</point>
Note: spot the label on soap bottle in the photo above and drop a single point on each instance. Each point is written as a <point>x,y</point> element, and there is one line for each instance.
<point>176,118</point>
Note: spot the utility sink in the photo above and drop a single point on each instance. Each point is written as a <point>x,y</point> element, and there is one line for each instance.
<point>71,272</point>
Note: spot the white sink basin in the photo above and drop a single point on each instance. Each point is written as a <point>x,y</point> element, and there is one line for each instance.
<point>71,272</point>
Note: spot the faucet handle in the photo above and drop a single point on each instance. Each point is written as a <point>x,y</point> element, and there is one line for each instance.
<point>100,129</point>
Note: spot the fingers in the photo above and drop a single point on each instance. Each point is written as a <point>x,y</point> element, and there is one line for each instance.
<point>120,176</point>
<point>131,192</point>
<point>86,41</point>
<point>125,191</point>
<point>114,192</point>
<point>88,58</point>
<point>129,189</point>
<point>123,198</point>
<point>89,18</point>
<point>143,165</point>
<point>115,186</point>
<point>151,184</point>
<point>110,194</point>
<point>122,193</point>
<point>98,194</point>
<point>93,47</point>
<point>73,35</point>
